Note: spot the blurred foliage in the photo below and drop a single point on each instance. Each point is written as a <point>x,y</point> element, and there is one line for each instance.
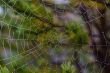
<point>25,39</point>
<point>68,68</point>
<point>4,70</point>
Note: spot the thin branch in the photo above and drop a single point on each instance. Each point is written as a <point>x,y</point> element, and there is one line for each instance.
<point>31,14</point>
<point>27,13</point>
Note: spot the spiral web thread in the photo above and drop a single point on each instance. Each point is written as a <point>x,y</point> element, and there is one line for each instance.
<point>29,50</point>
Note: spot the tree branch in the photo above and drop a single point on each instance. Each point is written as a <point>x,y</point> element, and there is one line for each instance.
<point>29,13</point>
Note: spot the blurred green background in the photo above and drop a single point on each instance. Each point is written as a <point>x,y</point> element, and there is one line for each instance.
<point>46,36</point>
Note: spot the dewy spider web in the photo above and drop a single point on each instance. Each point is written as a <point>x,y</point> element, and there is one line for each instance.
<point>104,62</point>
<point>30,50</point>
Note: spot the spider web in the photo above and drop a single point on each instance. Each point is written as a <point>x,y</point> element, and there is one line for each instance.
<point>29,47</point>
